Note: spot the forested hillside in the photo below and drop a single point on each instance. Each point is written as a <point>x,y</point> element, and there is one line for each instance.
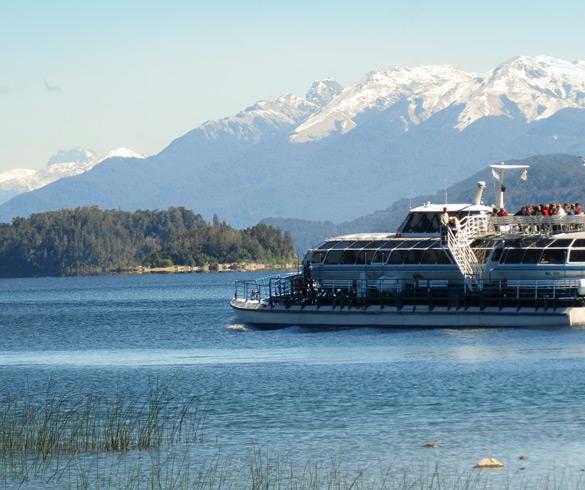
<point>89,240</point>
<point>551,178</point>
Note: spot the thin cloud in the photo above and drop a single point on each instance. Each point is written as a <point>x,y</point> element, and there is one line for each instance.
<point>52,88</point>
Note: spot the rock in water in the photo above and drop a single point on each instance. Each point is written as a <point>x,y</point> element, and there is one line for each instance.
<point>489,463</point>
<point>431,445</point>
<point>523,458</point>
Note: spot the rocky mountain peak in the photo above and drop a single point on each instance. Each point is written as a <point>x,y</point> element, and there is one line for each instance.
<point>323,91</point>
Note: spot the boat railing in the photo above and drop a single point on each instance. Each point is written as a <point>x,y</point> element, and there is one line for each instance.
<point>297,289</point>
<point>477,226</point>
<point>267,287</point>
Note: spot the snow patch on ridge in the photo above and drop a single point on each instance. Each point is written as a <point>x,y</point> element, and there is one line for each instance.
<point>63,164</point>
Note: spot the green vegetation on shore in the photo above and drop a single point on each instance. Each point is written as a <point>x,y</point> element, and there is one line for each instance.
<point>89,240</point>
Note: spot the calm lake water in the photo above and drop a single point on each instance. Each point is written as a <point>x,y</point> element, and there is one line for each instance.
<point>362,396</point>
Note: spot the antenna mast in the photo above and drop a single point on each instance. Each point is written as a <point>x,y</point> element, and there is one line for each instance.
<point>499,172</point>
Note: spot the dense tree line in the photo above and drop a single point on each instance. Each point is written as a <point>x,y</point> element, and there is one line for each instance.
<point>89,240</point>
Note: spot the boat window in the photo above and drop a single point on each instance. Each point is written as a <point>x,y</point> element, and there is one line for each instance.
<point>543,242</point>
<point>514,256</point>
<point>317,257</point>
<point>553,256</point>
<point>580,242</point>
<point>365,256</point>
<point>425,243</point>
<point>327,245</point>
<point>400,244</point>
<point>380,257</point>
<point>387,245</point>
<point>532,256</point>
<point>333,257</point>
<point>481,255</point>
<point>527,242</point>
<point>434,256</point>
<point>377,243</point>
<point>444,258</point>
<point>342,244</point>
<point>397,257</point>
<point>422,223</point>
<point>413,256</point>
<point>497,254</point>
<point>483,244</point>
<point>410,244</point>
<point>577,255</point>
<point>359,244</point>
<point>430,256</point>
<point>349,257</point>
<point>563,242</point>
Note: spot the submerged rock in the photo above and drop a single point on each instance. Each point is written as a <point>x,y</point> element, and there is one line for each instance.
<point>522,458</point>
<point>489,463</point>
<point>430,445</point>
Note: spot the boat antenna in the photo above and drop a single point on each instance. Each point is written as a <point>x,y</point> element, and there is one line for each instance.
<point>445,187</point>
<point>499,171</point>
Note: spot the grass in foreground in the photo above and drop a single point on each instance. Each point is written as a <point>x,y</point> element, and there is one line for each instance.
<point>155,442</point>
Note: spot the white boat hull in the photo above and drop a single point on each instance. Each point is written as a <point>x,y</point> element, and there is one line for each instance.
<point>260,313</point>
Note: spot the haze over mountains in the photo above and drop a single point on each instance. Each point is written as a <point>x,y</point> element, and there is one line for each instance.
<point>339,153</point>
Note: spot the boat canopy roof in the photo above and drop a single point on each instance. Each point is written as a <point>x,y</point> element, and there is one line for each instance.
<point>451,208</point>
<point>363,236</point>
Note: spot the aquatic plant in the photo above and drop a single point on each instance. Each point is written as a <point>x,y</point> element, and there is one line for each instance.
<point>58,424</point>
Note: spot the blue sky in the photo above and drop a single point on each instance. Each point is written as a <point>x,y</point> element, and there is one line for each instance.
<point>140,73</point>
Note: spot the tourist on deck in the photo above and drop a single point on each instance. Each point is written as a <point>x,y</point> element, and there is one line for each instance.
<point>502,212</point>
<point>578,210</point>
<point>522,212</point>
<point>444,224</point>
<point>445,217</point>
<point>454,224</point>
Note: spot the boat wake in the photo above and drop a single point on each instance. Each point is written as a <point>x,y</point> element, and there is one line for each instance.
<point>239,327</point>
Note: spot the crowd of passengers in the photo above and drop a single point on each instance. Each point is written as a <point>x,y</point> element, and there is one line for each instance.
<point>553,209</point>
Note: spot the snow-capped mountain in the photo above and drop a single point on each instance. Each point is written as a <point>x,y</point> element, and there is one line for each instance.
<point>267,118</point>
<point>338,153</point>
<point>536,87</point>
<point>65,163</point>
<point>427,90</point>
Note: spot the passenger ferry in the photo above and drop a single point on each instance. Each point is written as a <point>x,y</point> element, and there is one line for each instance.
<point>482,270</point>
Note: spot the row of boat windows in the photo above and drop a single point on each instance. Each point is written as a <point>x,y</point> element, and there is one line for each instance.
<point>439,256</point>
<point>426,243</point>
<point>365,257</point>
<point>545,242</point>
<point>537,256</point>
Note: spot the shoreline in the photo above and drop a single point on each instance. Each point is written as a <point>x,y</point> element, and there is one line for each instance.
<point>228,267</point>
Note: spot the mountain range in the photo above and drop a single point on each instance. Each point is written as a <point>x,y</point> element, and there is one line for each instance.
<point>339,153</point>
<point>63,164</point>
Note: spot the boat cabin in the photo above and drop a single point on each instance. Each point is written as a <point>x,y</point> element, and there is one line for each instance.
<point>426,219</point>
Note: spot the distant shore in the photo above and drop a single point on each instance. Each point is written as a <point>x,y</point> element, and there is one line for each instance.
<point>229,267</point>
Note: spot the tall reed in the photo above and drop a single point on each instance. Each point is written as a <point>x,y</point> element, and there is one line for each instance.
<point>72,425</point>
